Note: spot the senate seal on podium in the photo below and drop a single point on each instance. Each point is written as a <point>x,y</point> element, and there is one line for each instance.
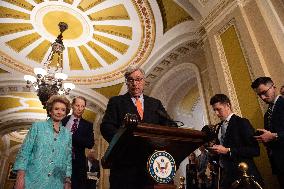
<point>161,166</point>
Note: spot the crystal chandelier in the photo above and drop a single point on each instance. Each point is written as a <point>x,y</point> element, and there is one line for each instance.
<point>50,80</point>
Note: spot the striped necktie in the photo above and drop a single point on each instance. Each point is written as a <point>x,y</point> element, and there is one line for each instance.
<point>269,114</point>
<point>139,108</point>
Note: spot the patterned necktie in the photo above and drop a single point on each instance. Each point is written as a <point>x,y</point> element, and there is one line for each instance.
<point>269,114</point>
<point>74,126</point>
<point>73,130</point>
<point>139,108</point>
<point>223,131</point>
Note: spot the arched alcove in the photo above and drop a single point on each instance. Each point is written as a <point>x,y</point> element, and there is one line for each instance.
<point>181,88</point>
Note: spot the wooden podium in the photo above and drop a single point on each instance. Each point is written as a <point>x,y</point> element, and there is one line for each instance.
<point>179,142</point>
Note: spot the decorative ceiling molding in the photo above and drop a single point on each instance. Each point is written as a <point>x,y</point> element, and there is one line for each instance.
<point>203,2</point>
<point>168,62</point>
<point>172,14</point>
<point>209,20</point>
<point>15,122</point>
<point>13,88</point>
<point>100,42</point>
<point>3,71</point>
<point>12,63</point>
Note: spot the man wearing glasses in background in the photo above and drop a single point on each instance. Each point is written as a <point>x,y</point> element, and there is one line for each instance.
<point>272,135</point>
<point>282,91</point>
<point>129,169</point>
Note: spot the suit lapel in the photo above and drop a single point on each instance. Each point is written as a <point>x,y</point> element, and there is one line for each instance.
<point>276,109</point>
<point>277,105</point>
<point>80,124</point>
<point>229,128</point>
<point>147,105</point>
<point>129,104</point>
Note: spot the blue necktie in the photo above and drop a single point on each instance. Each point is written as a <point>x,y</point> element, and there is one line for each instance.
<point>223,134</point>
<point>223,131</point>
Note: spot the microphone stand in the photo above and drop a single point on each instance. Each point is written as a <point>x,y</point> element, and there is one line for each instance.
<point>171,122</point>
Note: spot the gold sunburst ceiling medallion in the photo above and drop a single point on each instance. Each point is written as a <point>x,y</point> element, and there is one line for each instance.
<point>102,39</point>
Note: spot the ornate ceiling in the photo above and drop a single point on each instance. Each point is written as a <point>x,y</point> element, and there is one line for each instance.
<point>102,39</point>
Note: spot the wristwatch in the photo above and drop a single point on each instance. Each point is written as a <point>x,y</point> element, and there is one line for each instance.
<point>229,151</point>
<point>276,136</point>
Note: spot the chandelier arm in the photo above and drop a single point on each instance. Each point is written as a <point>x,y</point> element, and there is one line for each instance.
<point>49,80</point>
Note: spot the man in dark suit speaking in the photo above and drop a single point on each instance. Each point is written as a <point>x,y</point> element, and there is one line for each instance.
<point>129,169</point>
<point>273,133</point>
<point>82,137</point>
<point>237,144</point>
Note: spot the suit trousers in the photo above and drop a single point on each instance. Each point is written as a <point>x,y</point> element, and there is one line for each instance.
<point>79,176</point>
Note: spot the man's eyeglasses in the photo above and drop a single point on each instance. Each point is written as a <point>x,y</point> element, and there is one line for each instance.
<point>132,80</point>
<point>264,93</point>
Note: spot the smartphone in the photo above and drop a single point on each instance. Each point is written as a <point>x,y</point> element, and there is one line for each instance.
<point>258,133</point>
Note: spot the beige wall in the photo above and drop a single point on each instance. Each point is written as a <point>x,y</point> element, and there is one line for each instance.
<point>243,48</point>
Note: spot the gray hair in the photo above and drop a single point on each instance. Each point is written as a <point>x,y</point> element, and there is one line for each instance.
<point>79,97</point>
<point>132,69</point>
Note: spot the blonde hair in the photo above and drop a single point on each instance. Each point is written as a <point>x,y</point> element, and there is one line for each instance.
<point>57,98</point>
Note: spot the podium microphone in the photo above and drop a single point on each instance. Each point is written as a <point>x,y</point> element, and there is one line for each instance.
<point>171,122</point>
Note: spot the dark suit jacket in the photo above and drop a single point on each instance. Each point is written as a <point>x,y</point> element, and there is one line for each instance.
<point>131,162</point>
<point>81,139</point>
<point>275,148</point>
<point>118,106</point>
<point>239,138</point>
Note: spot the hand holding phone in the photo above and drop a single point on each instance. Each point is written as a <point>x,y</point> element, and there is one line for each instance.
<point>258,133</point>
